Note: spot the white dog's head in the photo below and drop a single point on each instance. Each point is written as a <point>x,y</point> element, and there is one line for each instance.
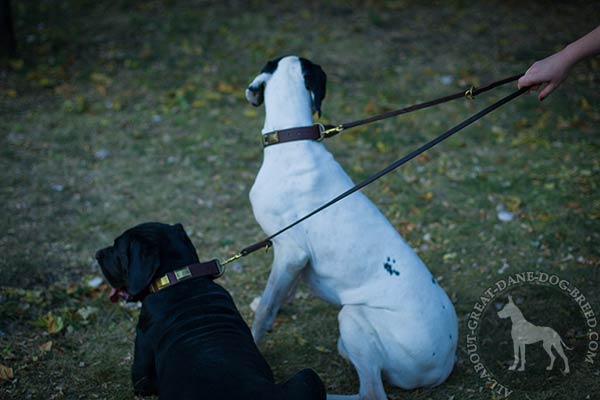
<point>289,77</point>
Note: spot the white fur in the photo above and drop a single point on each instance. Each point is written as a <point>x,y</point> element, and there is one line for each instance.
<point>402,326</point>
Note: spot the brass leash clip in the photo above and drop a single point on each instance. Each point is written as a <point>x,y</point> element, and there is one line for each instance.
<point>231,259</point>
<point>325,133</point>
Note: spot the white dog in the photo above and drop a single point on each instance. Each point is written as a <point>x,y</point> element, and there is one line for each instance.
<point>395,319</point>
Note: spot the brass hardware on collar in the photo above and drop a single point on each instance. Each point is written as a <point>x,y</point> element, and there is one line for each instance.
<point>469,93</point>
<point>162,282</point>
<point>206,269</point>
<point>183,273</point>
<point>271,138</point>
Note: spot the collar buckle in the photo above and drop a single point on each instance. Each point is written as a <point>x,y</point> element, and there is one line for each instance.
<point>270,138</point>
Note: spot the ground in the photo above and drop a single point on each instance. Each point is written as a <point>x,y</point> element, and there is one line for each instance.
<point>117,113</point>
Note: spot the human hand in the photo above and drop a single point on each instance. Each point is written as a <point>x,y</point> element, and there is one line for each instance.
<point>549,73</point>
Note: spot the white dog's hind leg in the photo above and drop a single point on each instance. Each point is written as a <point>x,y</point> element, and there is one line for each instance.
<point>288,262</point>
<point>358,343</point>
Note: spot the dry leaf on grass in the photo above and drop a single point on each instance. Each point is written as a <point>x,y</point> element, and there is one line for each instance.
<point>46,347</point>
<point>6,373</point>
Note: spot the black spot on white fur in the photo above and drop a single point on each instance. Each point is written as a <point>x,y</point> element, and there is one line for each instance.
<point>388,266</point>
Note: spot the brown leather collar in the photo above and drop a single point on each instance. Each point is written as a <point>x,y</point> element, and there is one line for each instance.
<point>313,132</point>
<point>210,268</point>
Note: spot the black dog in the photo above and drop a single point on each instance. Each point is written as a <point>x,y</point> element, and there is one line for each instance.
<point>191,341</point>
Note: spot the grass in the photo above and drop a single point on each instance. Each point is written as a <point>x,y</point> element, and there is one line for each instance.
<point>116,113</point>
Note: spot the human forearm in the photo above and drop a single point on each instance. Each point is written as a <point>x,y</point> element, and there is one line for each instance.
<point>553,70</point>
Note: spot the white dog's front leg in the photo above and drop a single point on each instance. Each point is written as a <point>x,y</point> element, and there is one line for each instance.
<point>288,262</point>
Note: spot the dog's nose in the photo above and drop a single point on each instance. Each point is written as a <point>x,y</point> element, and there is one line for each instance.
<point>98,255</point>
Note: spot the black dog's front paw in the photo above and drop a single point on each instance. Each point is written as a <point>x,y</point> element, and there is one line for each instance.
<point>144,387</point>
<point>306,384</point>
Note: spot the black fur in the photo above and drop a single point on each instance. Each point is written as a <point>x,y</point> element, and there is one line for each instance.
<point>191,342</point>
<point>271,66</point>
<point>315,80</point>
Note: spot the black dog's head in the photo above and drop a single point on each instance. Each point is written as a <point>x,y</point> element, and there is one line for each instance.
<point>142,254</point>
<point>315,80</point>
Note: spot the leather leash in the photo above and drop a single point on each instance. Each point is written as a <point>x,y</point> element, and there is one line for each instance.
<point>319,132</point>
<point>267,242</point>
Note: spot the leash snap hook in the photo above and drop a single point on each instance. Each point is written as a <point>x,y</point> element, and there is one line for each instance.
<point>325,133</point>
<point>231,259</point>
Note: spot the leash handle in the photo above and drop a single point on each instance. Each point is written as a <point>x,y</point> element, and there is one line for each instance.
<point>266,243</point>
<point>470,94</point>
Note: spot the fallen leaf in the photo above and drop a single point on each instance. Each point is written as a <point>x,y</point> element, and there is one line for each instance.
<point>301,340</point>
<point>428,196</point>
<point>46,347</point>
<point>513,203</point>
<point>370,108</point>
<point>449,257</point>
<point>322,349</point>
<point>585,105</point>
<point>100,79</point>
<point>212,96</point>
<point>86,312</point>
<point>53,324</point>
<point>6,373</point>
<point>17,64</point>
<point>382,147</point>
<point>225,88</point>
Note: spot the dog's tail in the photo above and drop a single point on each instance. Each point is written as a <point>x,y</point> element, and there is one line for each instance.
<point>564,345</point>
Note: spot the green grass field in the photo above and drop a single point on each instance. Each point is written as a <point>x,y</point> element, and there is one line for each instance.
<point>117,113</point>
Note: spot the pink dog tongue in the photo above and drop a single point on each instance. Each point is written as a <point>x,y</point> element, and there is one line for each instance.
<point>115,295</point>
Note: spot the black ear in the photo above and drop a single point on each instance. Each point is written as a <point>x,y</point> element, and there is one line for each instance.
<point>144,262</point>
<point>255,93</point>
<point>315,80</point>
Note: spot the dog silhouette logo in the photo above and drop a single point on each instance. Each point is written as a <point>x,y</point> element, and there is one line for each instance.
<point>524,332</point>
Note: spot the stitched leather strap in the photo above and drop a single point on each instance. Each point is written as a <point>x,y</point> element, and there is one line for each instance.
<point>210,268</point>
<point>332,130</point>
<point>312,132</point>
